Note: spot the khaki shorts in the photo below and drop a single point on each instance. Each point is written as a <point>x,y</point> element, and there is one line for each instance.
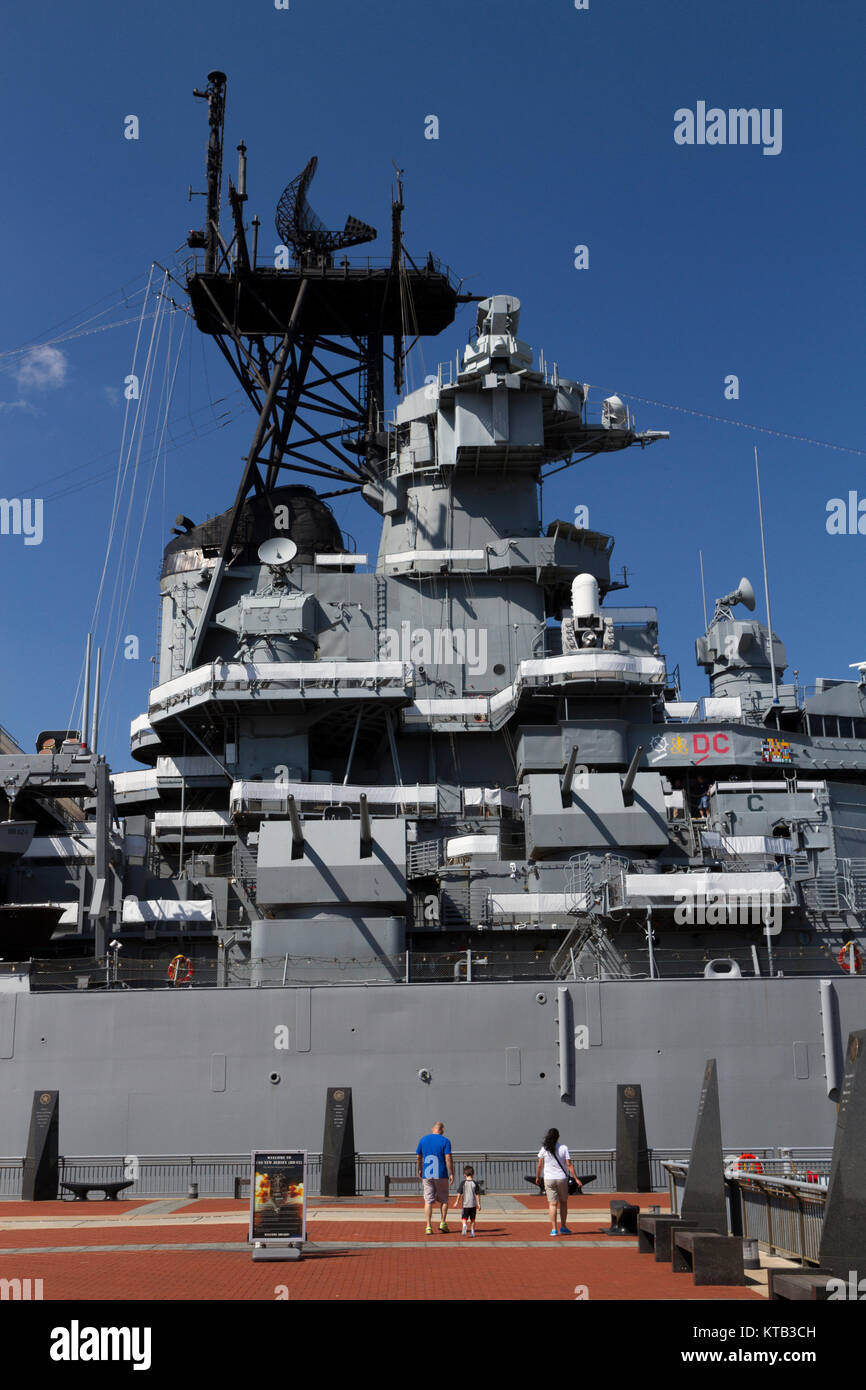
<point>436,1190</point>
<point>556,1191</point>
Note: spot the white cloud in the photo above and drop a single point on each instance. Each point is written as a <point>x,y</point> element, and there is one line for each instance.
<point>42,368</point>
<point>112,394</point>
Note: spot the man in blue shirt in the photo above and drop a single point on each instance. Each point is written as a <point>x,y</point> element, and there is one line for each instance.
<point>436,1171</point>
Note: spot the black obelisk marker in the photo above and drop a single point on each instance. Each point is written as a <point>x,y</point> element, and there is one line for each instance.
<point>41,1163</point>
<point>632,1156</point>
<point>338,1145</point>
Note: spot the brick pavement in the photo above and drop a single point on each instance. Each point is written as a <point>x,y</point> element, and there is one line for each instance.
<point>174,1250</point>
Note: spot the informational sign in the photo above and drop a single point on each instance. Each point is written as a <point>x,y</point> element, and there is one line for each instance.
<point>278,1196</point>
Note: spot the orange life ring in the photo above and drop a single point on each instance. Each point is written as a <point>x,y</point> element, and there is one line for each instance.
<point>748,1163</point>
<point>844,957</point>
<point>176,965</point>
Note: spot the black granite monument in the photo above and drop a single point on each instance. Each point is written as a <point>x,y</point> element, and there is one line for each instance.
<point>842,1252</point>
<point>632,1155</point>
<point>338,1145</point>
<point>704,1196</point>
<point>41,1163</point>
<point>703,1206</point>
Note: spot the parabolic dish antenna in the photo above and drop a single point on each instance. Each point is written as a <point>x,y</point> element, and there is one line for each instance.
<point>747,595</point>
<point>277,552</point>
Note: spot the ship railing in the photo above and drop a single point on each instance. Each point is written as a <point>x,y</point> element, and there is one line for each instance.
<point>244,677</point>
<point>612,960</point>
<point>578,882</point>
<point>429,265</point>
<point>783,1213</point>
<point>836,890</point>
<point>685,962</point>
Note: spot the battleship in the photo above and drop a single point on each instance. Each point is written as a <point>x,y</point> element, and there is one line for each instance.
<point>438,823</point>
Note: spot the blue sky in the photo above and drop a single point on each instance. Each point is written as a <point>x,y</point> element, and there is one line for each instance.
<point>556,129</point>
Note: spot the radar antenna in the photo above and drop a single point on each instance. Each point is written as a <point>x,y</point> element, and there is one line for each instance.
<point>743,594</point>
<point>298,226</point>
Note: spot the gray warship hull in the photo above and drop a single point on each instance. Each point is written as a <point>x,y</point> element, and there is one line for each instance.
<point>174,1071</point>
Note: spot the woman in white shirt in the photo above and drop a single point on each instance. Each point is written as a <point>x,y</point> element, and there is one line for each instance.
<point>554,1169</point>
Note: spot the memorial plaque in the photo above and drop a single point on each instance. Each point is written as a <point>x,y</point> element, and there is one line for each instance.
<point>278,1196</point>
<point>632,1156</point>
<point>41,1163</point>
<point>843,1239</point>
<point>338,1145</point>
<point>704,1195</point>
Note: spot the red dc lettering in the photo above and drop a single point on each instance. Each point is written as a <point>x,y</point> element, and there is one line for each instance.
<point>721,743</point>
<point>701,744</point>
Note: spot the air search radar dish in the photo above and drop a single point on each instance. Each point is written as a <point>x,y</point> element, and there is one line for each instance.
<point>278,552</point>
<point>745,595</point>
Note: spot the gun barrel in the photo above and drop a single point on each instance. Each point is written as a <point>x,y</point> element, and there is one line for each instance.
<point>297,829</point>
<point>628,780</point>
<point>366,829</point>
<point>567,776</point>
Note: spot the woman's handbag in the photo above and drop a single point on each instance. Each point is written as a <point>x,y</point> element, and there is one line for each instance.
<point>539,1182</point>
<point>572,1185</point>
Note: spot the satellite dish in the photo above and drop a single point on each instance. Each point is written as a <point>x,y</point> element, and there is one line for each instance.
<point>277,552</point>
<point>746,595</point>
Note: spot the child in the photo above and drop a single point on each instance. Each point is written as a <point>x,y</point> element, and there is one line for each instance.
<point>469,1198</point>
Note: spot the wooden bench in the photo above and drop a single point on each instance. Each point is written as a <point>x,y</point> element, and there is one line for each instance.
<point>654,1234</point>
<point>709,1258</point>
<point>81,1189</point>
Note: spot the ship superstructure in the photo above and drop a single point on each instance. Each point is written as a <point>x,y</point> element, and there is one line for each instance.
<point>459,763</point>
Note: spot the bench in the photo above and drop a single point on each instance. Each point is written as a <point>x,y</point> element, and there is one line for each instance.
<point>390,1182</point>
<point>414,1181</point>
<point>709,1258</point>
<point>81,1189</point>
<point>654,1234</point>
<point>796,1286</point>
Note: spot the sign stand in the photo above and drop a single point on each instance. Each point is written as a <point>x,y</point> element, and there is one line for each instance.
<point>278,1204</point>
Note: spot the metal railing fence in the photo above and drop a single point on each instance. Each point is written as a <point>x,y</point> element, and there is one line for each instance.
<point>784,1214</point>
<point>170,1175</point>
